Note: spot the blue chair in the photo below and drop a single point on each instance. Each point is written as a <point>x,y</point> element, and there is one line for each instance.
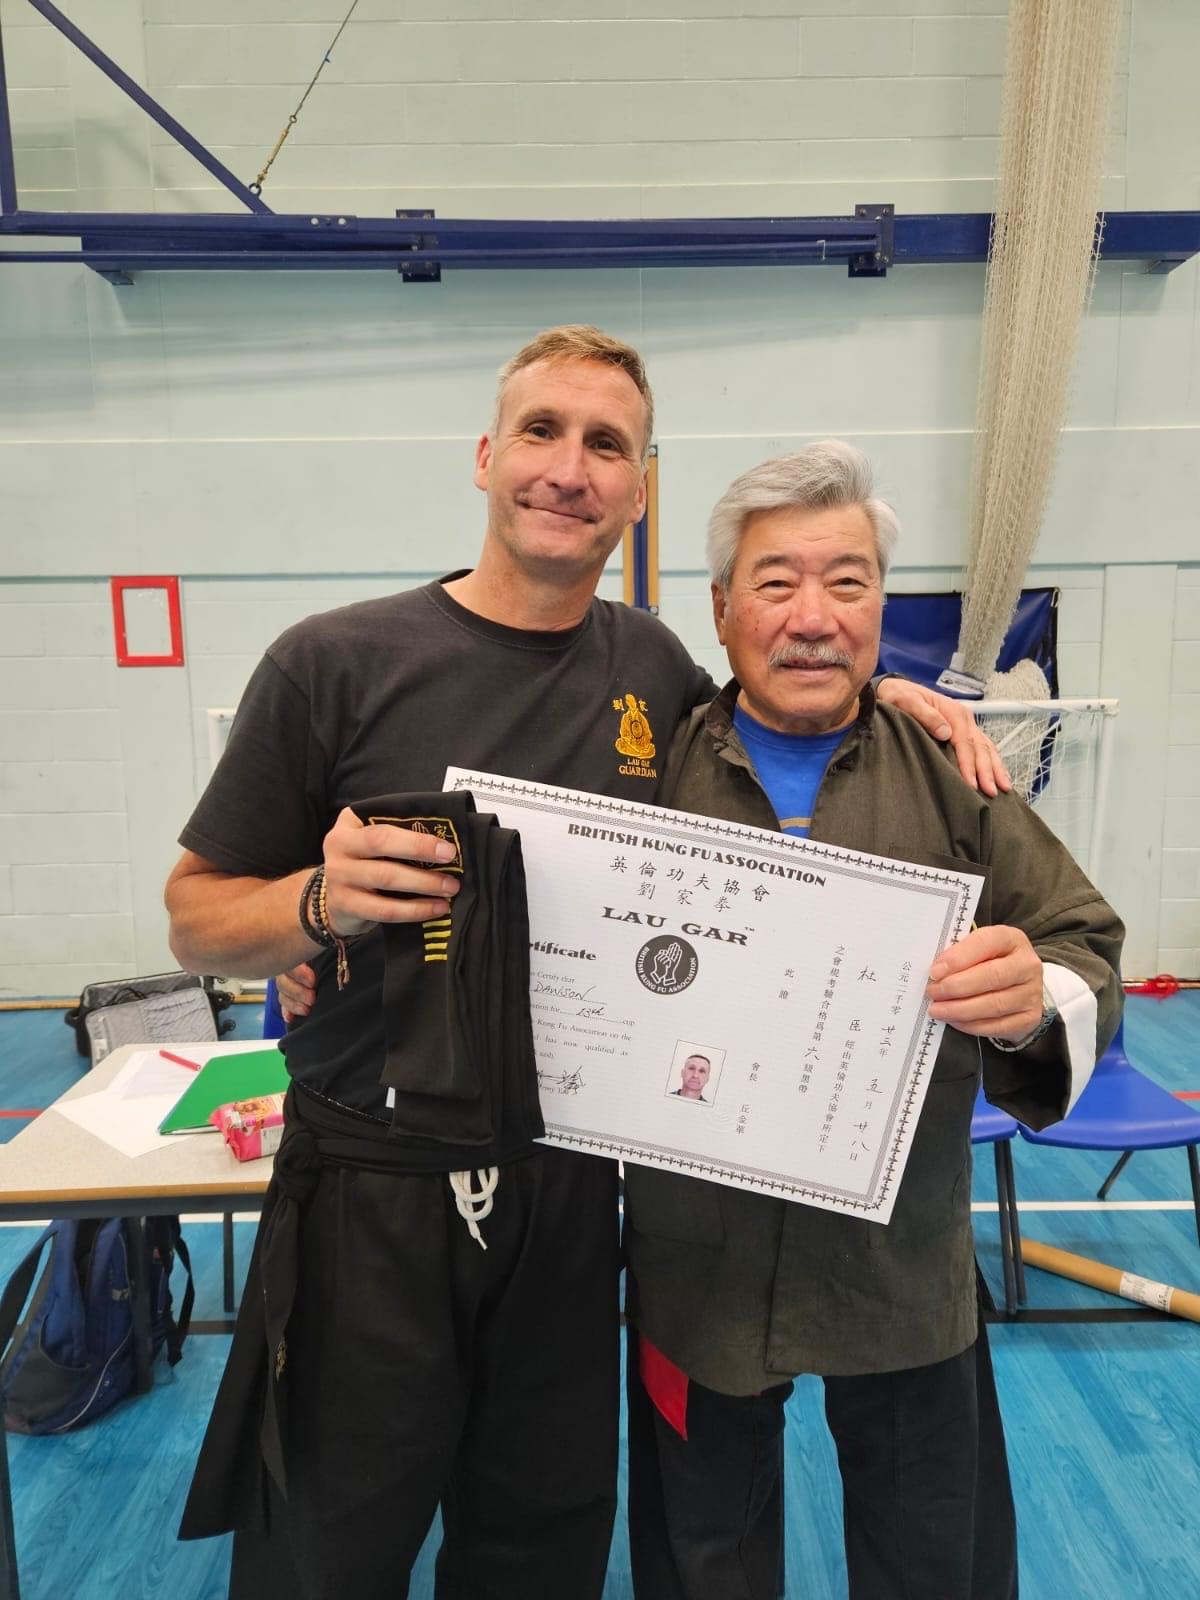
<point>1122,1109</point>
<point>992,1126</point>
<point>274,1027</point>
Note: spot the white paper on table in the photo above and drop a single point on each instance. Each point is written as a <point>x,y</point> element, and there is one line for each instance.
<point>126,1113</point>
<point>128,1123</point>
<point>148,1072</point>
<point>797,968</point>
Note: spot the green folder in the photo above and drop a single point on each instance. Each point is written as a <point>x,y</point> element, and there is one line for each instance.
<point>225,1078</point>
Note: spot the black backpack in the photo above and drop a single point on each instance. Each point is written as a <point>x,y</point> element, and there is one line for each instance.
<point>72,1355</point>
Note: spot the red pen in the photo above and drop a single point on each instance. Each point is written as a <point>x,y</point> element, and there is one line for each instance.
<point>180,1061</point>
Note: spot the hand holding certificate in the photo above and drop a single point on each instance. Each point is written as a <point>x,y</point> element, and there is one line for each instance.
<point>727,1002</point>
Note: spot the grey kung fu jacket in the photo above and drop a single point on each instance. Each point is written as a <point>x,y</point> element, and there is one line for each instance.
<point>744,1290</point>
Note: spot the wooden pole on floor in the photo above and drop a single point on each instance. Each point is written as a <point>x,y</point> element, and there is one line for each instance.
<point>1162,1296</point>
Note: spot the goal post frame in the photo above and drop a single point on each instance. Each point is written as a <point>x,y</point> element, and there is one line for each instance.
<point>1109,708</point>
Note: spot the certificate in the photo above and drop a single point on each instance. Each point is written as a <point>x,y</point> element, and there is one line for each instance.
<point>727,1002</point>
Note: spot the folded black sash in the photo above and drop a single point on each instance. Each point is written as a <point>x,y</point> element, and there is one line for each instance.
<point>459,1041</point>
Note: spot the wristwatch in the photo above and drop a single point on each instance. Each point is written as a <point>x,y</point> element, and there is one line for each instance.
<point>1049,1018</point>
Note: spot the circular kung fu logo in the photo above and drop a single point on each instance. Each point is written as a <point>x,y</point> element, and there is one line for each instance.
<point>667,964</point>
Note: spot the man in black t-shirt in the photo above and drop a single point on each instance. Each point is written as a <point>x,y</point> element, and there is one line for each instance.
<point>383,1362</point>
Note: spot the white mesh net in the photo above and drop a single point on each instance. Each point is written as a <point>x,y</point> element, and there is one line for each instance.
<point>1055,114</point>
<point>1023,681</point>
<point>1057,752</point>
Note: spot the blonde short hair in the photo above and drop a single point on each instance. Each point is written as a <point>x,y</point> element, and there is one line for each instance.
<point>578,341</point>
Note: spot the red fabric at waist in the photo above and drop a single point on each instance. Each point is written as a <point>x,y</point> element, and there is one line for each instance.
<point>665,1383</point>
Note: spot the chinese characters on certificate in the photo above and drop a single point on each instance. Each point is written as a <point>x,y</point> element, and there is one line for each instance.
<point>732,1003</point>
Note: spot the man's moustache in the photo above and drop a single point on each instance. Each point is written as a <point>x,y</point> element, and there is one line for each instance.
<point>809,655</point>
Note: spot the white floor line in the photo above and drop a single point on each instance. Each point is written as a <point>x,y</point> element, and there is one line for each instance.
<point>188,1217</point>
<point>1088,1205</point>
<point>215,1216</point>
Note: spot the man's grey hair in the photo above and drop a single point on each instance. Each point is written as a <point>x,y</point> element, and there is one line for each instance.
<point>820,477</point>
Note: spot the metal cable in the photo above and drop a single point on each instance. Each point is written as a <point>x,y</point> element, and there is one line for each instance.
<point>256,186</point>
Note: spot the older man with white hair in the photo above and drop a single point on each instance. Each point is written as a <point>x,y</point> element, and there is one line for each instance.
<point>733,1294</point>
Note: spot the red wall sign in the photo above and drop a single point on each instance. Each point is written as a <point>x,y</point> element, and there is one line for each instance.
<point>174,654</point>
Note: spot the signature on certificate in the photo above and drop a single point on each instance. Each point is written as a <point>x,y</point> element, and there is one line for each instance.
<point>566,1082</point>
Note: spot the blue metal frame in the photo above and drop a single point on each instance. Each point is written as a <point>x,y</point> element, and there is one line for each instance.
<point>148,104</point>
<point>116,244</point>
<point>123,242</point>
<point>1164,240</point>
<point>8,176</point>
<point>641,563</point>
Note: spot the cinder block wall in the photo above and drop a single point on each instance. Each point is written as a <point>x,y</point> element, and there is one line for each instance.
<point>286,443</point>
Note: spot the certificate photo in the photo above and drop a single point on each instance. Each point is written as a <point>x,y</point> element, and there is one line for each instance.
<point>695,1073</point>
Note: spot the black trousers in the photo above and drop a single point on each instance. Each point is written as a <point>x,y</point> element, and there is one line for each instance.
<point>422,1369</point>
<point>927,1504</point>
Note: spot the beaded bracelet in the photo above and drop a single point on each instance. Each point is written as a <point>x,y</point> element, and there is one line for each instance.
<point>314,920</point>
<point>308,926</point>
<point>339,944</point>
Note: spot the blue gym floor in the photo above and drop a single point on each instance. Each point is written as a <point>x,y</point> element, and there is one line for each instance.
<point>1103,1419</point>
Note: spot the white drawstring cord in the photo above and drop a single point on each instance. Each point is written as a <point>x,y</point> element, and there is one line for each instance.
<point>475,1204</point>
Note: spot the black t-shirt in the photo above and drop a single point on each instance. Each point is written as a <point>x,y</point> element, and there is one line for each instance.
<point>384,696</point>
